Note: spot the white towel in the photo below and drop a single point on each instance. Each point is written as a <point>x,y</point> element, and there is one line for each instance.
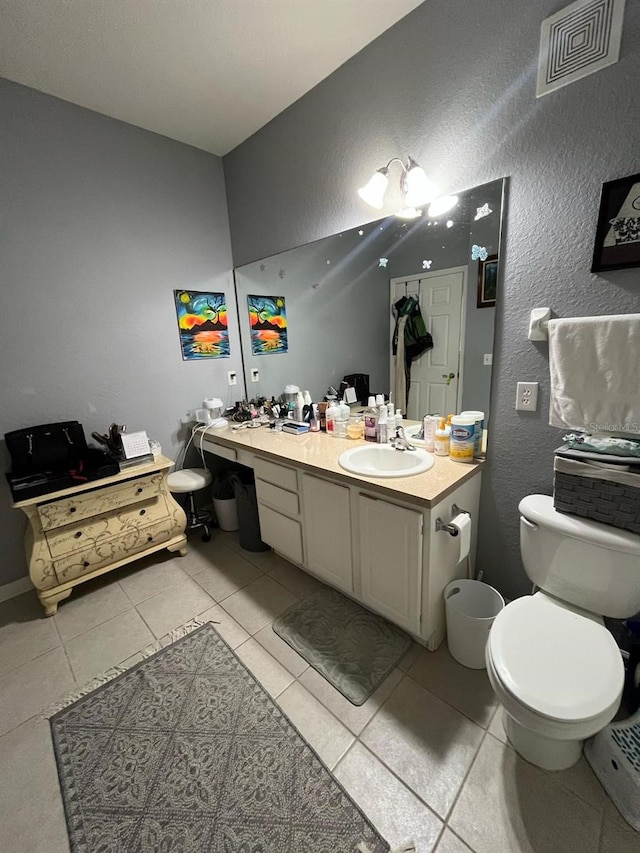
<point>595,373</point>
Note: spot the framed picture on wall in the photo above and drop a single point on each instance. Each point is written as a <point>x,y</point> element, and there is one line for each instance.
<point>618,231</point>
<point>487,282</point>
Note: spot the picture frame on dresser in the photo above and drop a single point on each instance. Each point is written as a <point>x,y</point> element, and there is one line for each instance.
<point>617,241</point>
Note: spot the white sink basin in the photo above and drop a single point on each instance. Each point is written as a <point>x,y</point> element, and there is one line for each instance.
<point>382,460</point>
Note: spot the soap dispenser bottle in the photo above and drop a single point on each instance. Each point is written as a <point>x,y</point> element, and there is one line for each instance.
<point>370,420</point>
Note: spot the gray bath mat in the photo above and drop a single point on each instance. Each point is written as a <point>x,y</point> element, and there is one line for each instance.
<point>351,647</point>
<point>187,752</point>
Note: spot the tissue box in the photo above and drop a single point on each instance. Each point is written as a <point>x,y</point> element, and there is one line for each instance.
<point>605,494</point>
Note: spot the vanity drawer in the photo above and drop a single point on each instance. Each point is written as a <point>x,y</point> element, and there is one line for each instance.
<point>282,533</point>
<point>98,501</point>
<point>222,451</point>
<point>88,533</point>
<point>278,498</point>
<point>111,550</point>
<point>278,475</point>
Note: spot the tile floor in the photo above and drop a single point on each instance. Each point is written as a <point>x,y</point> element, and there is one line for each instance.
<point>425,757</point>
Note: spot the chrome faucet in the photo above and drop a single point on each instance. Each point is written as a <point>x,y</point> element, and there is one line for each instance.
<point>400,442</point>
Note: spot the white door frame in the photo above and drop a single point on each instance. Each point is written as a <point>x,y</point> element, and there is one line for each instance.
<point>418,277</point>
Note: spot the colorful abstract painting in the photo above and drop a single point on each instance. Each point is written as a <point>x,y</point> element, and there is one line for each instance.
<point>202,321</point>
<point>268,321</point>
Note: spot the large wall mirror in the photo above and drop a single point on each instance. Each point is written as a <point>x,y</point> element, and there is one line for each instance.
<point>338,295</point>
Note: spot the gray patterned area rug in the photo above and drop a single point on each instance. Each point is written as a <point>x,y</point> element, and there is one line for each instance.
<point>187,753</point>
<point>348,645</point>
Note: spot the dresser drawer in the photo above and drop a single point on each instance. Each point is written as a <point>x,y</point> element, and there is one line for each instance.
<point>282,533</point>
<point>278,498</point>
<point>91,531</point>
<point>111,550</point>
<point>277,474</point>
<point>98,501</point>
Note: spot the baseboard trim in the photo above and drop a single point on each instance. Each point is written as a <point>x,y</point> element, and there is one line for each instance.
<point>11,590</point>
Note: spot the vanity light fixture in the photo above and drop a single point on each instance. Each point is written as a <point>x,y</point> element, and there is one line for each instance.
<point>416,188</point>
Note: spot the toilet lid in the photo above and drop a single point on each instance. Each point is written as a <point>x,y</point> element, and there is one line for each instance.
<point>558,663</point>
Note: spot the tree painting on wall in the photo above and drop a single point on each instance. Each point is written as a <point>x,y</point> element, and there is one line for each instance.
<point>202,324</point>
<point>268,322</point>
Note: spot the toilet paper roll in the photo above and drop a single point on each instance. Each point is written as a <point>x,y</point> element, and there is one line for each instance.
<point>462,523</point>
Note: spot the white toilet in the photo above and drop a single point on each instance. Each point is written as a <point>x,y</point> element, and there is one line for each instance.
<point>553,665</point>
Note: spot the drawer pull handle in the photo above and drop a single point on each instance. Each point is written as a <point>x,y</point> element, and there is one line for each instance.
<point>72,509</point>
<point>85,563</point>
<point>142,511</point>
<point>78,534</point>
<point>149,538</point>
<point>138,490</point>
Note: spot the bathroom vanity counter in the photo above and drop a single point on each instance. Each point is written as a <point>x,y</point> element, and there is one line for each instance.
<point>379,540</point>
<point>318,452</point>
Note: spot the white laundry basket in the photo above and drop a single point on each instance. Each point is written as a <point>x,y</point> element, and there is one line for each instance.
<point>471,609</point>
<point>614,755</point>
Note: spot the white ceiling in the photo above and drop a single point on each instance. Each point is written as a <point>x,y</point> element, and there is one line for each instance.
<point>205,72</point>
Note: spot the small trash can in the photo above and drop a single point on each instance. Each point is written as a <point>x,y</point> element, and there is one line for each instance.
<point>244,488</point>
<point>472,607</point>
<point>224,502</point>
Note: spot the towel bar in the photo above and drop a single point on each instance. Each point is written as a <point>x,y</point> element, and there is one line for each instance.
<point>539,324</point>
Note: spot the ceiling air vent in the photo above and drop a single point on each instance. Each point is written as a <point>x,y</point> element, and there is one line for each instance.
<point>580,39</point>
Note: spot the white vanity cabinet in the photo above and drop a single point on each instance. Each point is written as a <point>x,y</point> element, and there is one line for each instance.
<point>327,531</point>
<point>391,549</point>
<point>378,543</point>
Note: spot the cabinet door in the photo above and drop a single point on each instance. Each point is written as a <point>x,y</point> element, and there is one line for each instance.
<point>327,531</point>
<point>391,561</point>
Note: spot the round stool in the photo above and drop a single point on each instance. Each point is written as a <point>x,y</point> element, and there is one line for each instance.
<point>187,482</point>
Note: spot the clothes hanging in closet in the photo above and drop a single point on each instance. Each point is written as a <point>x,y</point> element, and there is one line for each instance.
<point>414,341</point>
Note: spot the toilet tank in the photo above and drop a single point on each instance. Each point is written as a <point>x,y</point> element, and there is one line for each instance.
<point>591,565</point>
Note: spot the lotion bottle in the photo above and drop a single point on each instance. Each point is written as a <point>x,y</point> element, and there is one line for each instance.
<point>441,443</point>
<point>370,420</point>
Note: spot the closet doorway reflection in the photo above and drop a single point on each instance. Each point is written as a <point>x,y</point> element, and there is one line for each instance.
<point>435,377</point>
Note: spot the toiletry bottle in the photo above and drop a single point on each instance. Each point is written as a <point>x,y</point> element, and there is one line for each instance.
<point>391,420</point>
<point>299,405</point>
<point>314,426</point>
<point>441,443</point>
<point>332,414</point>
<point>307,398</point>
<point>379,401</point>
<point>429,425</point>
<point>342,422</point>
<point>370,420</point>
<point>398,418</point>
<point>382,434</point>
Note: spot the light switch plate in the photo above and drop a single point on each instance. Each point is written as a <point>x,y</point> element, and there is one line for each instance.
<point>487,359</point>
<point>255,374</point>
<point>527,397</point>
<point>232,376</point>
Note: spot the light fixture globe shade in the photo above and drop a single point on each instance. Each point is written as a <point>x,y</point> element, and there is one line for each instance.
<point>373,192</point>
<point>419,189</point>
<point>442,205</point>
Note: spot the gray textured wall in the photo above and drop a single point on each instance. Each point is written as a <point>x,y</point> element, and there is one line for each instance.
<point>453,85</point>
<point>100,222</point>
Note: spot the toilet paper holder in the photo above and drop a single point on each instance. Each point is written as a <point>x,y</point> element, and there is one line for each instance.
<point>449,528</point>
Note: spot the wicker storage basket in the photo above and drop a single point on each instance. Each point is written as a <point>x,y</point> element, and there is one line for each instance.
<point>601,494</point>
